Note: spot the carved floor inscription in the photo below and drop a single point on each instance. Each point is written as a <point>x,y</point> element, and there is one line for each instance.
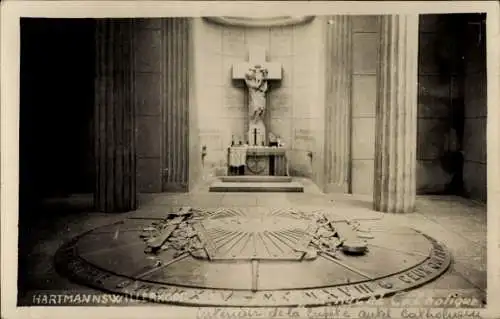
<point>250,257</point>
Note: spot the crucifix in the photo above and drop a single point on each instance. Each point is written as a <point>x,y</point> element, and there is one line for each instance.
<point>256,72</point>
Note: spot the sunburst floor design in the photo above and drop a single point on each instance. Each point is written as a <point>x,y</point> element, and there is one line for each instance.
<point>252,257</point>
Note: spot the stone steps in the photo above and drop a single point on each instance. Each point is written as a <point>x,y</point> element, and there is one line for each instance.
<point>256,187</point>
<point>256,179</point>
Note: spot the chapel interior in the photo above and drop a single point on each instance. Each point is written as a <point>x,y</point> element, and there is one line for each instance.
<point>188,110</point>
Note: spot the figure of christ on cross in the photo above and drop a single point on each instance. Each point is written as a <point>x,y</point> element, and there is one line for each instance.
<point>256,82</point>
<point>256,73</point>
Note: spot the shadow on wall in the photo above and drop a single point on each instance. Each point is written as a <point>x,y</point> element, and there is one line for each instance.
<point>440,125</point>
<point>452,107</point>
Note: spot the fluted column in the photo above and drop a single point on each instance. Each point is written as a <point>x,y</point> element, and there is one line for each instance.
<point>396,115</point>
<point>338,102</point>
<point>175,68</point>
<point>115,152</point>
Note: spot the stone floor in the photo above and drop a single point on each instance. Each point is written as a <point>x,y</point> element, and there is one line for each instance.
<point>457,222</point>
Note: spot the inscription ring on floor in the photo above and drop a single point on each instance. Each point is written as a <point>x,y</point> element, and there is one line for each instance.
<point>249,257</point>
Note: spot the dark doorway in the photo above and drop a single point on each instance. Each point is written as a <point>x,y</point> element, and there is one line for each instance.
<point>56,111</point>
<point>57,97</point>
<point>451,149</point>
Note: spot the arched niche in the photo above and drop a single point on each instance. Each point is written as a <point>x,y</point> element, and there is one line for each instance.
<point>257,22</point>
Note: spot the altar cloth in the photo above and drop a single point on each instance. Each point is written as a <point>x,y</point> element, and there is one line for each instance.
<point>237,156</point>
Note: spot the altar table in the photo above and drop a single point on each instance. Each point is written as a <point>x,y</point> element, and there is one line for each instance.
<point>257,160</point>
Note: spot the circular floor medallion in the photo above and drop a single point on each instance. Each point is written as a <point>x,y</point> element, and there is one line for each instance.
<point>252,257</point>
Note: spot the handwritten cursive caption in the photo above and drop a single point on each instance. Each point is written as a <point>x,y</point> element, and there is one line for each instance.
<point>340,312</point>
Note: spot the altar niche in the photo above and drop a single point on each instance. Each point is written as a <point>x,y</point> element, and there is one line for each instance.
<point>258,154</point>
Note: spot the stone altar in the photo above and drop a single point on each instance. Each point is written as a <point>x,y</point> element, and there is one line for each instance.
<point>257,160</point>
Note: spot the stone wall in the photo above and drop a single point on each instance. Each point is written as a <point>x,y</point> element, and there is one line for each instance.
<point>307,121</point>
<point>440,101</point>
<point>162,104</point>
<point>293,112</point>
<point>148,105</point>
<point>475,109</point>
<point>365,33</point>
<point>194,136</point>
<point>208,91</point>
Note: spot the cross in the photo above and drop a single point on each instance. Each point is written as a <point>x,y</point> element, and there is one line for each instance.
<point>257,56</point>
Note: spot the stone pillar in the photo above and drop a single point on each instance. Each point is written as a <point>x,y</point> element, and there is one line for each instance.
<point>338,102</point>
<point>396,115</point>
<point>175,68</point>
<point>115,152</point>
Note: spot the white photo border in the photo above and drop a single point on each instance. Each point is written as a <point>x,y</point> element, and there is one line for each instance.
<point>11,11</point>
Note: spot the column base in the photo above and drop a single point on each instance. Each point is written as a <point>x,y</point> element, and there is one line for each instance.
<point>393,209</point>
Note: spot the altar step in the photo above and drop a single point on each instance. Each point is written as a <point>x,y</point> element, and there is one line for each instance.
<point>256,184</point>
<point>256,179</point>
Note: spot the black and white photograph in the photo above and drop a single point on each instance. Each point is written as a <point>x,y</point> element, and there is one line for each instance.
<point>314,164</point>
